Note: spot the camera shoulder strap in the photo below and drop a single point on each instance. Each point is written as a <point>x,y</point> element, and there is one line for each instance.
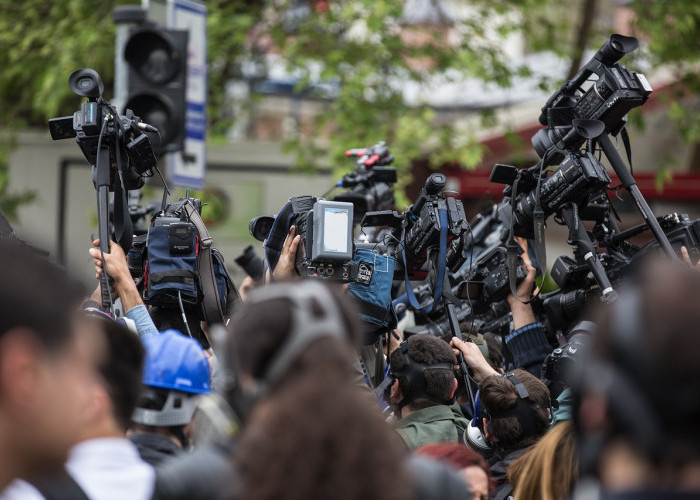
<point>211,306</point>
<point>441,268</point>
<point>59,486</point>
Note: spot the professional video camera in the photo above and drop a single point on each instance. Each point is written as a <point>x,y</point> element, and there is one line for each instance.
<point>119,152</point>
<point>325,227</point>
<point>435,221</point>
<point>613,91</point>
<point>370,185</point>
<point>97,126</point>
<point>578,178</point>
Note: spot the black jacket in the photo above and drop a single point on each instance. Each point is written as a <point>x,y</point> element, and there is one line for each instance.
<point>155,449</point>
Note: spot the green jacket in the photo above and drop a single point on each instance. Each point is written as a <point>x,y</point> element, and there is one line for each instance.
<point>435,424</point>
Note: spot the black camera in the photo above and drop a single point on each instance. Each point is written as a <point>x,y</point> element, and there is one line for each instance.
<point>578,177</point>
<point>488,278</point>
<point>613,92</point>
<point>370,185</point>
<point>421,227</point>
<point>98,125</point>
<point>251,263</point>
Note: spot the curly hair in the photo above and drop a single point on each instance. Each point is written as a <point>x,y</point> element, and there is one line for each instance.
<point>428,350</point>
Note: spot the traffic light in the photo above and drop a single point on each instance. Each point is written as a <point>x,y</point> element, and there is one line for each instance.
<point>156,59</point>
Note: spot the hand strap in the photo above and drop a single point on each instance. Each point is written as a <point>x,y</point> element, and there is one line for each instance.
<point>441,268</point>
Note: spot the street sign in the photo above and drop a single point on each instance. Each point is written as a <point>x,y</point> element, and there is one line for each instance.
<point>188,168</point>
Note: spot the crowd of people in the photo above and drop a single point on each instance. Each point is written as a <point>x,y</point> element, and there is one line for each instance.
<point>280,403</point>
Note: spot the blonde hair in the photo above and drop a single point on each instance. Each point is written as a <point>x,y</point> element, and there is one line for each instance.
<point>549,469</point>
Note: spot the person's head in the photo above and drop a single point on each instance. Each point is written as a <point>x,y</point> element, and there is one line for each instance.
<point>637,395</point>
<point>515,407</point>
<point>45,367</point>
<point>424,369</point>
<point>471,465</point>
<point>311,429</point>
<point>284,330</point>
<point>549,469</point>
<point>119,367</point>
<point>176,372</point>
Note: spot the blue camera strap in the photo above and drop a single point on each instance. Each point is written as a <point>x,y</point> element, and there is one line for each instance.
<point>441,269</point>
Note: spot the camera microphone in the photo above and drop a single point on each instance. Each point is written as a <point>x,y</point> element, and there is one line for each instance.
<point>146,127</point>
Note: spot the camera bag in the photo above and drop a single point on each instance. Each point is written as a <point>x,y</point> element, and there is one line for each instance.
<point>199,276</point>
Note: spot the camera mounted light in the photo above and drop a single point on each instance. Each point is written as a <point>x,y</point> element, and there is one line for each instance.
<point>86,82</point>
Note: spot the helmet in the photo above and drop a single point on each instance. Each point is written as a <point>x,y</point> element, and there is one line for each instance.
<point>175,362</point>
<point>176,371</point>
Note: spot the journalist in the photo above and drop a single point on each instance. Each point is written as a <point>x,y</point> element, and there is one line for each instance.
<point>45,364</point>
<point>636,407</point>
<point>423,392</point>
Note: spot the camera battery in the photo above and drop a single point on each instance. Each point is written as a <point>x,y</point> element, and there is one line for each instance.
<point>180,238</point>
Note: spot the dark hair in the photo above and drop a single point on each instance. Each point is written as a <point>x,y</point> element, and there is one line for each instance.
<point>320,436</point>
<point>497,393</point>
<point>428,350</point>
<point>36,294</point>
<point>121,368</point>
<point>648,343</point>
<point>315,434</point>
<point>258,329</point>
<point>459,456</point>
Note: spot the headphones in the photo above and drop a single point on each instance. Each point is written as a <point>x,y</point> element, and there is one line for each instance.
<point>620,383</point>
<point>414,373</point>
<point>524,410</point>
<point>306,326</point>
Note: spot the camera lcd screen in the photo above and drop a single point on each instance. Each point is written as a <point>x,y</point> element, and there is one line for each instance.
<point>335,236</point>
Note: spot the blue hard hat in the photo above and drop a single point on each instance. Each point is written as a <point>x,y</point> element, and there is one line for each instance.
<point>175,362</point>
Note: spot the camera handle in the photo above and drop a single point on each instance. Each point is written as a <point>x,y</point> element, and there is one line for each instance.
<point>630,184</point>
<point>453,321</point>
<point>102,183</point>
<point>583,246</point>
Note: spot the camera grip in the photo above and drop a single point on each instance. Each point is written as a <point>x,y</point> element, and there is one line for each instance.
<point>106,287</point>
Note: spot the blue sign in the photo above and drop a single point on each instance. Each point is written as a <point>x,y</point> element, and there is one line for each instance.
<point>188,169</point>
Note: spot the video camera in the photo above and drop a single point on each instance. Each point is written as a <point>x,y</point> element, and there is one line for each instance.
<point>578,178</point>
<point>325,227</point>
<point>118,150</point>
<point>435,217</point>
<point>615,90</point>
<point>370,185</point>
<point>97,125</point>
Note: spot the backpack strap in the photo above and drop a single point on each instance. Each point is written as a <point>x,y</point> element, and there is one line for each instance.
<point>59,486</point>
<point>211,306</point>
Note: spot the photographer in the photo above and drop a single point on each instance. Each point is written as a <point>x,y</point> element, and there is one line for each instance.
<point>423,392</point>
<point>516,412</point>
<point>176,372</point>
<point>124,286</point>
<point>527,344</point>
<point>636,407</point>
<point>45,363</point>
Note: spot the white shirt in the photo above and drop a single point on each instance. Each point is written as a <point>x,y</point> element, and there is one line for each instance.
<point>105,468</point>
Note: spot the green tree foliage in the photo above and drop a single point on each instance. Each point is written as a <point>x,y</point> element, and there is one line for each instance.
<point>365,49</point>
<point>670,30</point>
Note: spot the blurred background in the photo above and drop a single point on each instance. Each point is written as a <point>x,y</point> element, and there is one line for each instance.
<point>288,85</point>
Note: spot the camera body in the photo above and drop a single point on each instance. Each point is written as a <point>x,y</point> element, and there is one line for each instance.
<point>97,124</point>
<point>580,176</point>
